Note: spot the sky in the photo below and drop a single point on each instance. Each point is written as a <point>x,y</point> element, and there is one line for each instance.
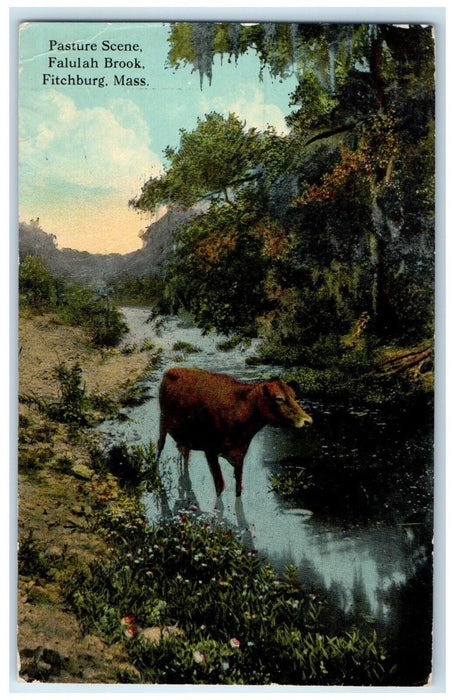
<point>85,150</point>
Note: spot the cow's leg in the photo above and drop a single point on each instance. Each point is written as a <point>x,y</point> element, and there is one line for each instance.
<point>185,454</point>
<point>236,458</point>
<point>184,460</point>
<point>238,473</point>
<point>212,460</point>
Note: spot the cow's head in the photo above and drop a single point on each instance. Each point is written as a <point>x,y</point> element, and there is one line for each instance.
<point>279,404</point>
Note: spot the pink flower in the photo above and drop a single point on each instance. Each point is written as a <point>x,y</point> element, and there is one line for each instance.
<point>128,619</point>
<point>199,657</point>
<point>235,644</point>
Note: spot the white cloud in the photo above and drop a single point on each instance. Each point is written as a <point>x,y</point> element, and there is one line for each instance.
<point>91,147</point>
<point>253,108</point>
<point>250,104</point>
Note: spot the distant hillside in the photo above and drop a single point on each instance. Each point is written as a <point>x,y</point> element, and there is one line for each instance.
<point>84,267</point>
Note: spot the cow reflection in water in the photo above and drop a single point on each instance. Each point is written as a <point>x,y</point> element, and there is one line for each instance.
<point>186,500</point>
<point>219,415</point>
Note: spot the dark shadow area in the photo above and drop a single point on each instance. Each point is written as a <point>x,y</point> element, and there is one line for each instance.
<point>361,466</point>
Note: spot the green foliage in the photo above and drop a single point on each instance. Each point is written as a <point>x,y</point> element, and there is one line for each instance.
<point>32,559</point>
<point>216,273</point>
<point>38,289</point>
<point>134,465</point>
<point>73,403</point>
<point>83,307</point>
<point>141,291</point>
<point>242,624</point>
<point>74,406</point>
<point>332,221</point>
<point>186,348</point>
<point>212,158</point>
<point>73,304</point>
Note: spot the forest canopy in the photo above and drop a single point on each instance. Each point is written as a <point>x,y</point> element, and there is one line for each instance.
<point>304,235</point>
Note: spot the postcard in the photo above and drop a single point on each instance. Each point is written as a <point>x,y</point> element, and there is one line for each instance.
<point>226,353</point>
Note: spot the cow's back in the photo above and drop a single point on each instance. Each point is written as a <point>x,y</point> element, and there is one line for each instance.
<point>188,386</point>
<point>199,408</point>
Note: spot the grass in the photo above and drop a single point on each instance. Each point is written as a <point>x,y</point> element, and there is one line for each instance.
<point>239,622</point>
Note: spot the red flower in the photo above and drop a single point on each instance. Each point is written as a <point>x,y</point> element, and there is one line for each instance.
<point>132,631</point>
<point>128,619</point>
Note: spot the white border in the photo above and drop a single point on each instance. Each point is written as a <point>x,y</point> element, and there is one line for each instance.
<point>335,12</point>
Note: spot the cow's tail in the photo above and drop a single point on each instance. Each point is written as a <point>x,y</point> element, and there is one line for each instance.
<point>161,437</point>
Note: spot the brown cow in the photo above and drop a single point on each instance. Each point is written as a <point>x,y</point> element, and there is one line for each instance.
<point>220,415</point>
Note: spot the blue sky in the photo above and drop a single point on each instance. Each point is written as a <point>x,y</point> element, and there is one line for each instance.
<point>84,151</point>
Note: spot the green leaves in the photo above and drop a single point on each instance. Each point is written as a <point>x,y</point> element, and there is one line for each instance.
<point>216,156</point>
<point>74,304</point>
<point>295,236</point>
<point>242,624</point>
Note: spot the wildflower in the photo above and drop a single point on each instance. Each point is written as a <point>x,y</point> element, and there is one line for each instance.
<point>128,619</point>
<point>199,657</point>
<point>132,631</point>
<point>235,644</point>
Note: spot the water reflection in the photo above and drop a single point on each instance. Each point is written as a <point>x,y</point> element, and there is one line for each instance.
<point>355,534</point>
<point>352,569</point>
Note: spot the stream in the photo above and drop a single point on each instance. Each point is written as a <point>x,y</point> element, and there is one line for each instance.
<point>358,534</point>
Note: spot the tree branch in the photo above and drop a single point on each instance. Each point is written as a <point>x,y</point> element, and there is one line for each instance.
<point>330,132</point>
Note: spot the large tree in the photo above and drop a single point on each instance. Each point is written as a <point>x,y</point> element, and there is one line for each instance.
<point>334,219</point>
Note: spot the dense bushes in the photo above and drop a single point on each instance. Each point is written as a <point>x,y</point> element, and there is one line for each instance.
<point>238,621</point>
<point>149,290</point>
<point>74,304</point>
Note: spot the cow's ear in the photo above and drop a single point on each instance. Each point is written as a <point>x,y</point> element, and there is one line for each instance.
<point>295,386</point>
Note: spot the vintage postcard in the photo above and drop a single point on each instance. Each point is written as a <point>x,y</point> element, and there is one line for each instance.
<point>226,353</point>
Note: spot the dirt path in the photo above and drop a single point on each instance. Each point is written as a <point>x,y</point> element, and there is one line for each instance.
<point>57,492</point>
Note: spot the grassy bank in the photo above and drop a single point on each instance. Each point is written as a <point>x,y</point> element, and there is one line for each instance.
<point>58,492</point>
<point>104,598</point>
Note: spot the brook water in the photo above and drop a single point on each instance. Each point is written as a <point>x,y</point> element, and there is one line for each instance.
<point>362,526</point>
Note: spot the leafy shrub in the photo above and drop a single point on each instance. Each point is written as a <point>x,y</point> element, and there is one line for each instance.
<point>74,304</point>
<point>241,623</point>
<point>38,289</point>
<point>134,465</point>
<point>32,559</point>
<point>183,346</point>
<point>73,402</point>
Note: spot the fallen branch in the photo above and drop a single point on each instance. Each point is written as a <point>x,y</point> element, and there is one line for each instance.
<point>404,360</point>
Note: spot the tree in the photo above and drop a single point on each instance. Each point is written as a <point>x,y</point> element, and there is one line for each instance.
<point>217,156</point>
<point>217,268</point>
<point>334,220</point>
